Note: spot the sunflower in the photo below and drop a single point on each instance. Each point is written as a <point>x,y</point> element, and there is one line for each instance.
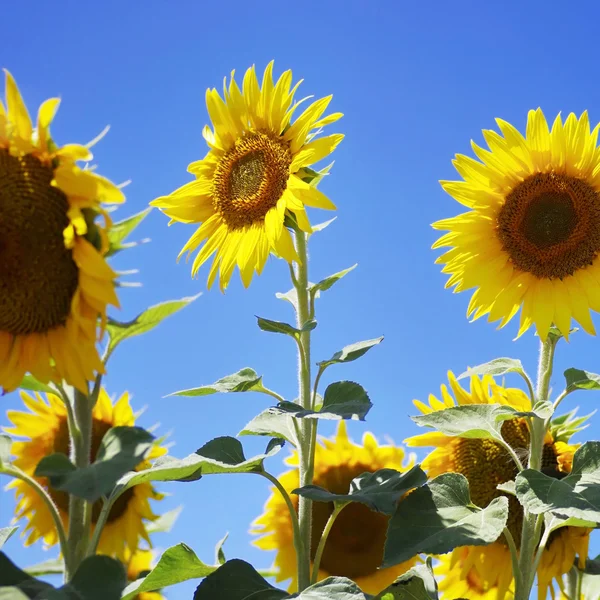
<point>253,177</point>
<point>54,281</point>
<point>47,429</point>
<point>532,237</point>
<point>355,544</point>
<point>478,571</point>
<point>139,564</point>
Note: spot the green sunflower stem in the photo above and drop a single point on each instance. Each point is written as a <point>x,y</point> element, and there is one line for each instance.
<point>323,541</point>
<point>80,511</point>
<point>532,524</point>
<point>306,427</point>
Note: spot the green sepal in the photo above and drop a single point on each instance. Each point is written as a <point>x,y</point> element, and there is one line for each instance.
<point>30,383</point>
<point>121,230</point>
<point>564,427</point>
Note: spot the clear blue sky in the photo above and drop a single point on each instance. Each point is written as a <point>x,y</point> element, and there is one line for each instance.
<point>416,82</point>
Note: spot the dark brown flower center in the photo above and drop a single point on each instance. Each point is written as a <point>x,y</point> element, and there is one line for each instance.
<point>250,179</point>
<point>61,444</point>
<point>550,225</point>
<point>355,543</point>
<point>486,464</point>
<point>38,276</point>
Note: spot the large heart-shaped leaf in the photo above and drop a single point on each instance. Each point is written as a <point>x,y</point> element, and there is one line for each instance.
<point>576,496</point>
<point>438,517</point>
<point>121,450</point>
<point>380,490</point>
<point>221,455</point>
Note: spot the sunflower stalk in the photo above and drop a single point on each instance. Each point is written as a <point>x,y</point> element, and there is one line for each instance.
<point>80,510</point>
<point>307,427</point>
<point>531,530</point>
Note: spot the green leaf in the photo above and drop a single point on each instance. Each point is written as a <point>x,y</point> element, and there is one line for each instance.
<point>121,450</point>
<point>165,522</point>
<point>5,450</point>
<point>290,296</point>
<point>12,576</point>
<point>219,552</point>
<point>553,522</point>
<point>53,566</point>
<point>581,380</point>
<point>245,380</point>
<point>590,587</point>
<point>332,588</point>
<point>343,400</point>
<point>277,327</point>
<point>592,566</point>
<point>237,580</point>
<point>97,578</point>
<point>576,496</point>
<point>508,487</point>
<point>144,322</point>
<point>544,409</point>
<point>120,231</point>
<point>438,517</point>
<point>177,564</point>
<point>350,353</point>
<point>225,455</point>
<point>321,226</point>
<point>326,283</point>
<point>309,325</point>
<point>380,490</point>
<point>273,422</point>
<point>346,400</point>
<point>12,593</point>
<point>416,584</point>
<point>475,421</point>
<point>29,382</point>
<point>496,367</point>
<point>5,534</point>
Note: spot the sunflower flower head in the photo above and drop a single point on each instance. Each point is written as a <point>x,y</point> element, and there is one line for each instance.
<point>530,240</point>
<point>45,426</point>
<point>253,176</point>
<point>485,572</point>
<point>355,544</point>
<point>55,283</point>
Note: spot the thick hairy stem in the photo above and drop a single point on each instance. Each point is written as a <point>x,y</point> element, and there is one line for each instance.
<point>307,427</point>
<point>80,509</point>
<point>530,533</point>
